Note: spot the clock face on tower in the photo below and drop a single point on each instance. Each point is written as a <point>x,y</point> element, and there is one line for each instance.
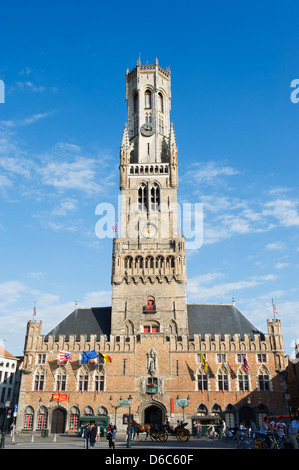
<point>147,130</point>
<point>149,230</point>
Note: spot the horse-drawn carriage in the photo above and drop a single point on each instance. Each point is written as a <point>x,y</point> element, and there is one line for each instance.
<point>161,433</point>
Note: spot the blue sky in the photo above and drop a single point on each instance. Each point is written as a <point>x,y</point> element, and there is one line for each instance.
<point>64,65</point>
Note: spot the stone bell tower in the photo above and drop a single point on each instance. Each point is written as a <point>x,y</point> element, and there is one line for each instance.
<point>149,260</point>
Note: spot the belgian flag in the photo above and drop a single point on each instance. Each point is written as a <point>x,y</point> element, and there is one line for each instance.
<point>104,358</point>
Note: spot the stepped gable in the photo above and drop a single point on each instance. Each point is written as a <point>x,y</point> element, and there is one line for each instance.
<point>84,321</point>
<point>219,319</point>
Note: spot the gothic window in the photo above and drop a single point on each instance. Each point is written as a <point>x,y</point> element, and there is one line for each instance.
<point>160,100</point>
<point>222,381</point>
<point>88,411</point>
<point>202,381</point>
<point>173,328</point>
<point>170,262</point>
<point>135,125</point>
<point>128,262</point>
<point>129,328</point>
<point>159,262</point>
<point>202,410</point>
<point>60,385</point>
<point>149,262</point>
<point>243,381</point>
<point>264,379</point>
<point>230,416</point>
<point>74,419</point>
<point>139,262</point>
<point>148,99</point>
<point>28,418</point>
<point>99,382</point>
<point>83,380</point>
<point>142,197</point>
<point>42,418</point>
<point>155,197</point>
<point>39,380</point>
<point>161,126</point>
<point>135,103</point>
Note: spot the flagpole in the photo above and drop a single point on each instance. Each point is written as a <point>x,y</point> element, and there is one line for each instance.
<point>273,310</point>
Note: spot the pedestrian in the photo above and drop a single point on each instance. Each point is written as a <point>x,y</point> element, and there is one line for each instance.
<point>264,430</point>
<point>111,437</point>
<point>222,428</point>
<point>98,433</point>
<point>86,436</point>
<point>252,429</point>
<point>282,429</point>
<point>198,430</point>
<point>294,432</point>
<point>93,435</point>
<point>274,428</point>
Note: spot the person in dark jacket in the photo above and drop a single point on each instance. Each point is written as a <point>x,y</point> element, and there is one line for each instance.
<point>86,436</point>
<point>93,435</point>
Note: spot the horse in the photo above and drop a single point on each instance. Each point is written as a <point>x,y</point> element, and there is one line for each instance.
<point>139,428</point>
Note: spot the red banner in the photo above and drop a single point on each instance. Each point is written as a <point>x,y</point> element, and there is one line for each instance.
<point>59,397</point>
<point>172,406</point>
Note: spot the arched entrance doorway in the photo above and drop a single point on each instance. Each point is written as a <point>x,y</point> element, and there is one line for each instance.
<point>58,421</point>
<point>245,415</point>
<point>153,415</point>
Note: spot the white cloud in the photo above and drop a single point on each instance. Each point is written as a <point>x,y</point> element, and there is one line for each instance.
<point>276,246</point>
<point>284,210</point>
<point>10,293</point>
<point>281,265</point>
<point>210,173</point>
<point>199,292</point>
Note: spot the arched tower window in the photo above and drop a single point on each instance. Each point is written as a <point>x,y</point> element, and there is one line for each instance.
<point>155,197</point>
<point>160,101</point>
<point>148,99</point>
<point>142,197</point>
<point>135,103</point>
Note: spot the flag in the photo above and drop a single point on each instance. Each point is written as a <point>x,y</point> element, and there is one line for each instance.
<point>34,310</point>
<point>87,355</point>
<point>64,356</point>
<point>246,365</point>
<point>204,362</point>
<point>275,309</point>
<point>104,358</point>
<point>115,228</point>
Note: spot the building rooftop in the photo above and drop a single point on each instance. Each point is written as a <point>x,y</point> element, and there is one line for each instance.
<point>203,319</point>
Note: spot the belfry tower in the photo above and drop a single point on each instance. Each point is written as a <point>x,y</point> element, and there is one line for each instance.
<point>149,260</point>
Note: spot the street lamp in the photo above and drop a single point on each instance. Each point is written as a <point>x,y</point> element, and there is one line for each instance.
<point>130,400</point>
<point>182,403</point>
<point>124,402</point>
<point>115,407</point>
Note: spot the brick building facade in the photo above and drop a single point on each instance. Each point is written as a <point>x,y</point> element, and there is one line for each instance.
<point>173,358</point>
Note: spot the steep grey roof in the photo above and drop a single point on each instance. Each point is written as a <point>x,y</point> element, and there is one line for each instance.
<point>84,321</point>
<point>202,318</point>
<point>218,319</point>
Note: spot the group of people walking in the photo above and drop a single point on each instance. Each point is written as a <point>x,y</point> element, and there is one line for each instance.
<point>91,434</point>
